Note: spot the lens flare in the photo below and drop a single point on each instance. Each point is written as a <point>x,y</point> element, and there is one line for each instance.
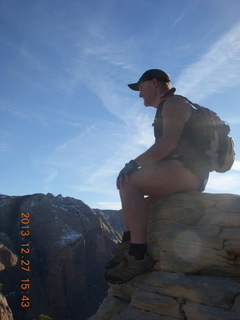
<point>187,245</point>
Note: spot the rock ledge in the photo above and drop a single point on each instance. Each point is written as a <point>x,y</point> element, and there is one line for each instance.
<point>194,239</point>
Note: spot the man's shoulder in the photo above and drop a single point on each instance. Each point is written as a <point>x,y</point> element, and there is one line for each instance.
<point>176,101</point>
<point>178,106</point>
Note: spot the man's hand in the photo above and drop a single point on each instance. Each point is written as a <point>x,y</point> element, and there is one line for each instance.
<point>129,168</point>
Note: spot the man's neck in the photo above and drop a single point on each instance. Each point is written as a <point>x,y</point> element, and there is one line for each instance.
<point>163,93</point>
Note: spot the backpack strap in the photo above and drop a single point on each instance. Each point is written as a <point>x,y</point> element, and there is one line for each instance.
<point>168,94</point>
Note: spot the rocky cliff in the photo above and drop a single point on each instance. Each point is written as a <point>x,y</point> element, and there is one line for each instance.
<point>7,260</point>
<point>194,239</point>
<point>62,246</point>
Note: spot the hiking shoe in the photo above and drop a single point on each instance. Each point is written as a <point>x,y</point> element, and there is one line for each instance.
<point>118,254</point>
<point>128,268</point>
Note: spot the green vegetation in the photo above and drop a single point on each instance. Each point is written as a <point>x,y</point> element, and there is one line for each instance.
<point>43,317</point>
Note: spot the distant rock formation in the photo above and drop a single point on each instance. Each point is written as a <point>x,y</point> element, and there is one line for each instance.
<point>194,238</point>
<point>68,244</point>
<point>7,260</point>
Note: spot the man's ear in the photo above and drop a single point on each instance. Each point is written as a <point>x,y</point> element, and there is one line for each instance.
<point>154,82</point>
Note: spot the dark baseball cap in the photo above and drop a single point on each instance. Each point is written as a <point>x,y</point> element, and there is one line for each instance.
<point>149,75</point>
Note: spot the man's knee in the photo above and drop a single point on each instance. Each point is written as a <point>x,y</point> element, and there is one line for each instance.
<point>129,190</point>
<point>125,188</point>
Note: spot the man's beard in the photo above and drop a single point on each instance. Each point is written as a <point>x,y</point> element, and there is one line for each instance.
<point>146,102</point>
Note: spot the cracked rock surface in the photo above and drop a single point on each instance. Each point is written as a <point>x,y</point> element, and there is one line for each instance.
<point>7,260</point>
<point>194,239</point>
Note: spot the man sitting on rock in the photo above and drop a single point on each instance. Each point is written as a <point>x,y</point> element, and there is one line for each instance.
<point>172,164</point>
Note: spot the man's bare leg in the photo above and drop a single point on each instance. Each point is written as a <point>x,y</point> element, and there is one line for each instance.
<point>135,209</point>
<point>163,178</point>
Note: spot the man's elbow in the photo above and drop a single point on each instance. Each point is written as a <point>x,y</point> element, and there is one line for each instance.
<point>166,148</point>
<point>169,145</point>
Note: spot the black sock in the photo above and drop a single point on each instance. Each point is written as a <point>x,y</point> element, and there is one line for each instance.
<point>126,236</point>
<point>138,250</point>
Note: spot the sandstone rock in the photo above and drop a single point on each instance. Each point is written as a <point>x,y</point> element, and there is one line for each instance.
<point>7,260</point>
<point>194,239</point>
<point>5,311</point>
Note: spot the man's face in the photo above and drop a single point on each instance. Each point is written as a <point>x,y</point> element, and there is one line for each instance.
<point>147,93</point>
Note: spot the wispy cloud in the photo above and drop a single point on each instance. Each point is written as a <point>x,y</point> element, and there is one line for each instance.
<point>100,59</point>
<point>21,112</point>
<point>6,137</point>
<point>227,182</point>
<point>109,205</point>
<point>224,183</point>
<point>216,70</point>
<point>31,59</point>
<point>185,12</point>
<point>52,173</point>
<point>236,165</point>
<point>97,66</point>
<point>71,145</point>
<point>5,148</point>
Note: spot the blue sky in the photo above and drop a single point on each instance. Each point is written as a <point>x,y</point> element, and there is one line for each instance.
<point>68,120</point>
